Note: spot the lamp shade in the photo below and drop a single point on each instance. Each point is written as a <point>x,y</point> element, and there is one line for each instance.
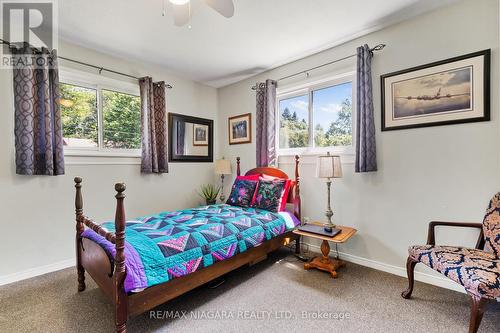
<point>329,166</point>
<point>223,167</point>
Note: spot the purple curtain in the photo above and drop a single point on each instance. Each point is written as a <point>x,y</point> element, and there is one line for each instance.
<point>38,125</point>
<point>266,123</point>
<point>180,136</point>
<point>366,153</point>
<point>153,126</point>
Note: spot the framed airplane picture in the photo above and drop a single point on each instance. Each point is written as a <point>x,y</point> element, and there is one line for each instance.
<point>451,91</point>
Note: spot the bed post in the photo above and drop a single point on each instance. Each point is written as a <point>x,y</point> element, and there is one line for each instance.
<point>79,230</point>
<point>238,170</point>
<point>121,302</point>
<point>296,201</point>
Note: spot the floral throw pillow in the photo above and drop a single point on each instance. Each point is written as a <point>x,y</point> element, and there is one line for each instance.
<point>242,193</point>
<point>268,194</point>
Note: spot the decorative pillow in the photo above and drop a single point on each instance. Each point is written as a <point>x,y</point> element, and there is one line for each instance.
<point>284,197</point>
<point>250,177</point>
<point>268,194</point>
<point>242,192</point>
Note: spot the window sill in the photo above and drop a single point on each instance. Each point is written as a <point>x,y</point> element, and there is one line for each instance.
<point>80,157</point>
<point>102,153</point>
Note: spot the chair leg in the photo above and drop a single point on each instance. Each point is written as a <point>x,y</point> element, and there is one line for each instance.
<point>478,305</point>
<point>410,268</point>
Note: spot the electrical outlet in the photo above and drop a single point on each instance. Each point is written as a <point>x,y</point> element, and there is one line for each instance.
<point>305,219</point>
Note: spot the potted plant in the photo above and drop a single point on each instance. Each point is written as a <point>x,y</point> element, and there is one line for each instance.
<point>209,192</point>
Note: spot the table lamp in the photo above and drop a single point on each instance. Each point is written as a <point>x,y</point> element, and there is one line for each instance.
<point>329,167</point>
<point>222,167</point>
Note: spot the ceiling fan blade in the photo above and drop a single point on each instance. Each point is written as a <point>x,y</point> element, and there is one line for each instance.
<point>223,7</point>
<point>180,14</point>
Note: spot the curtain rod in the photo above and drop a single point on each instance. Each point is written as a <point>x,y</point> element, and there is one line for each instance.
<point>378,47</point>
<point>99,68</point>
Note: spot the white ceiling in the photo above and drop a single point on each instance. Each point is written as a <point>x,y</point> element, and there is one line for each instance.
<point>261,35</point>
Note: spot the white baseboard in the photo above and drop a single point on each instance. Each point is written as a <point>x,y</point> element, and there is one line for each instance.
<point>32,272</point>
<point>400,271</point>
<point>439,281</point>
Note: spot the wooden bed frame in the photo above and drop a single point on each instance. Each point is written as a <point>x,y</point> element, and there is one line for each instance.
<point>110,276</point>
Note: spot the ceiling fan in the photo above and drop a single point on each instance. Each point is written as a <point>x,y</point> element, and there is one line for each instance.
<point>181,9</point>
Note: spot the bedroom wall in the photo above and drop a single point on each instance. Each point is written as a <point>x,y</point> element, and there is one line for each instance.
<point>37,228</point>
<point>434,173</point>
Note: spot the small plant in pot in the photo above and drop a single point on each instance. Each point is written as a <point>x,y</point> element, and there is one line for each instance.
<point>209,192</point>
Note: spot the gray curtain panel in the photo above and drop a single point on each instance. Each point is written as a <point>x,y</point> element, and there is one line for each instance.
<point>266,123</point>
<point>38,126</point>
<point>366,154</point>
<point>153,126</point>
<point>180,136</point>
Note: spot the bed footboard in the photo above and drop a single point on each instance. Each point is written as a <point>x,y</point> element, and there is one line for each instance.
<point>110,280</point>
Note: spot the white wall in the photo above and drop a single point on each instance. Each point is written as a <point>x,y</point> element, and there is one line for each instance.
<point>37,212</point>
<point>434,173</point>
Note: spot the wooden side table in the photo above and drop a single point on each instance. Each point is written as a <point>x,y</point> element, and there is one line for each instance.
<point>324,262</point>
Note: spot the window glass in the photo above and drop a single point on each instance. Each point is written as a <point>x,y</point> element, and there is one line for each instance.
<point>332,114</point>
<point>294,122</point>
<point>79,116</point>
<point>121,120</point>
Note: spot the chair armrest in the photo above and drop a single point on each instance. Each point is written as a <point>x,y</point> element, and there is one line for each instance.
<point>431,238</point>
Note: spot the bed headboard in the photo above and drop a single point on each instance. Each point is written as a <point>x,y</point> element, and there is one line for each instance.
<point>294,196</point>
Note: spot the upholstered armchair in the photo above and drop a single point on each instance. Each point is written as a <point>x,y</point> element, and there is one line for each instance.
<point>477,270</point>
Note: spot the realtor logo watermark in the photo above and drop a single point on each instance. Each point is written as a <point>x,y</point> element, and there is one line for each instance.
<point>33,22</point>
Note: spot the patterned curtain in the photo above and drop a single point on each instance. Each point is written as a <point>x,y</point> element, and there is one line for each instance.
<point>366,155</point>
<point>153,126</point>
<point>266,123</point>
<point>38,126</point>
<point>180,136</point>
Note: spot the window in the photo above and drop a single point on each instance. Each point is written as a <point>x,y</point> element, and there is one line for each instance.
<point>121,120</point>
<point>294,122</point>
<point>316,117</point>
<point>100,116</point>
<point>79,116</point>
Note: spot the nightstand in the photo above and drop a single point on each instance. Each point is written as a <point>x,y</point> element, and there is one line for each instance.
<point>324,262</point>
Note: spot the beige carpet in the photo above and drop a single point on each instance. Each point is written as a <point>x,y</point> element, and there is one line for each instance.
<point>269,297</point>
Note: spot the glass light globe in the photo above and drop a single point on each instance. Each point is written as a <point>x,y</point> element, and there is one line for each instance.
<point>179,2</point>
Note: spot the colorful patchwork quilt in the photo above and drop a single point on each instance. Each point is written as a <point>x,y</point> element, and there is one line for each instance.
<point>168,245</point>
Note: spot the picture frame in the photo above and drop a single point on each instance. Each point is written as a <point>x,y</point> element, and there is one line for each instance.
<point>200,135</point>
<point>240,129</point>
<point>451,91</point>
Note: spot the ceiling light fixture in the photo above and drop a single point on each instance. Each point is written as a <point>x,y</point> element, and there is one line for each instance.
<point>181,9</point>
<point>179,2</point>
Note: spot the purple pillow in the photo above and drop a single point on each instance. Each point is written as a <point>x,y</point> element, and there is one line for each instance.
<point>268,194</point>
<point>242,193</point>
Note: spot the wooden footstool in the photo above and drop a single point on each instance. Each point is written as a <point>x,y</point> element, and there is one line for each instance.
<point>324,262</point>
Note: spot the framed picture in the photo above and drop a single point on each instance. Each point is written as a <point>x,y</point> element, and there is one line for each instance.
<point>240,129</point>
<point>200,135</point>
<point>451,91</point>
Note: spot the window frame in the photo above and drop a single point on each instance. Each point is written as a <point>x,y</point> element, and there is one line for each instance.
<point>307,88</point>
<point>98,83</point>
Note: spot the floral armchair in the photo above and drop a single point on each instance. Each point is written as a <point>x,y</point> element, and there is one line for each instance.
<point>477,270</point>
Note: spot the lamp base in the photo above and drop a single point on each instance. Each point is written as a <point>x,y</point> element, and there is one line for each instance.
<point>329,227</point>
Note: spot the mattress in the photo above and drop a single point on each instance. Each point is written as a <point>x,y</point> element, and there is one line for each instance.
<point>169,245</point>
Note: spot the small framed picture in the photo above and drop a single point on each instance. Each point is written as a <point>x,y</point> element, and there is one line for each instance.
<point>451,91</point>
<point>200,135</point>
<point>240,129</point>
